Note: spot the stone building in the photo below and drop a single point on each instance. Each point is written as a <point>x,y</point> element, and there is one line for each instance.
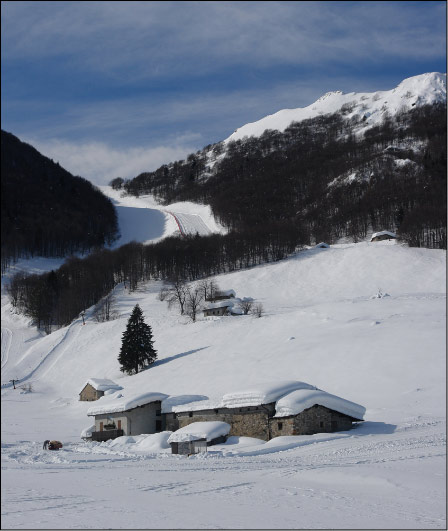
<point>218,309</point>
<point>262,412</point>
<point>294,408</point>
<point>95,389</point>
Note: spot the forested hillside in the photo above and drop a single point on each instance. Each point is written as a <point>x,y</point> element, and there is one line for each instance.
<point>46,211</point>
<point>321,176</point>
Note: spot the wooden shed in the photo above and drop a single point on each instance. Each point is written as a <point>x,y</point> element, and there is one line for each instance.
<point>96,387</point>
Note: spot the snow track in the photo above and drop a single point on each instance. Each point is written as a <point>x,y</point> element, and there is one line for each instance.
<point>6,344</point>
<point>190,224</point>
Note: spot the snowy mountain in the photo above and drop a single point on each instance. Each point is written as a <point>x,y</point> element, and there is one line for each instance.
<point>424,89</point>
<point>344,166</point>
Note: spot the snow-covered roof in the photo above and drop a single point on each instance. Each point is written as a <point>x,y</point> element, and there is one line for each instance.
<point>123,401</point>
<point>220,304</point>
<point>200,430</point>
<point>264,393</point>
<point>297,401</point>
<point>384,233</point>
<point>323,245</point>
<point>226,293</point>
<point>176,403</point>
<point>102,384</point>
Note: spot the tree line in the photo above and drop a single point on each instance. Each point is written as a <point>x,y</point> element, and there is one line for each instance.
<point>54,299</point>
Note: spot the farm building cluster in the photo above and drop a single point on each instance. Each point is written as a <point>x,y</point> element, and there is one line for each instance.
<point>265,411</point>
<point>226,303</point>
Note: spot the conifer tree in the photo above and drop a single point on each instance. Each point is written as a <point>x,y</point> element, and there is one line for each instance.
<point>137,351</point>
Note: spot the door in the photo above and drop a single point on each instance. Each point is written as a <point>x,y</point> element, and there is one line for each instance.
<point>101,426</point>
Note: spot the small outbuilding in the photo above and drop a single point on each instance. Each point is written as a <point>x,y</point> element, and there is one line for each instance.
<point>221,295</point>
<point>218,309</point>
<point>197,436</point>
<point>383,235</point>
<point>96,387</point>
<point>322,245</point>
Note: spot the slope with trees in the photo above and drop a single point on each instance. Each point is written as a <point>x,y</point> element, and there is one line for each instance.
<point>46,211</point>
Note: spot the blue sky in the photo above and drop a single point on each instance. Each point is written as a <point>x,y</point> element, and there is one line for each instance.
<point>115,88</point>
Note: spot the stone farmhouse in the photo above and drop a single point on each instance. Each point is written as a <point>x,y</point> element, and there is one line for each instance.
<point>264,412</point>
<point>95,389</point>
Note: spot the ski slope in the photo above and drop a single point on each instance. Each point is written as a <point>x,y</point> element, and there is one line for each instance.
<point>324,324</point>
<point>144,220</point>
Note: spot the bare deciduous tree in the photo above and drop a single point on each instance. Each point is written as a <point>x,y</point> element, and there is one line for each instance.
<point>209,288</point>
<point>194,297</point>
<point>105,309</point>
<point>258,309</point>
<point>246,305</point>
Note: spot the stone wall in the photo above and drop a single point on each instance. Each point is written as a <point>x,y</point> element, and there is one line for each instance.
<point>246,421</point>
<point>259,421</point>
<point>316,419</point>
<point>89,394</point>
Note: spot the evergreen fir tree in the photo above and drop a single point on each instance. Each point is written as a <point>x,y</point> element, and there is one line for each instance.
<point>137,351</point>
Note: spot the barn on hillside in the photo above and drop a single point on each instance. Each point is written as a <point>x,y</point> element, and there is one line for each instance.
<point>95,389</point>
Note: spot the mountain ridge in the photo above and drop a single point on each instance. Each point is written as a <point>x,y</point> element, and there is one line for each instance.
<point>422,89</point>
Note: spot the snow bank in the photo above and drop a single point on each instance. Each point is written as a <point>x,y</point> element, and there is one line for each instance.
<point>119,402</point>
<point>302,399</point>
<point>262,394</point>
<point>101,384</point>
<point>200,430</point>
<point>87,432</point>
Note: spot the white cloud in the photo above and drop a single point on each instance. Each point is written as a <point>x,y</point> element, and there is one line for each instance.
<point>99,162</point>
<point>153,39</point>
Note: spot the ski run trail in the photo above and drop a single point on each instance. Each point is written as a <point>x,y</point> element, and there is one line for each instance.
<point>325,323</point>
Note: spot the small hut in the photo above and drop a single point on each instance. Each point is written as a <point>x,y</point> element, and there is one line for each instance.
<point>197,436</point>
<point>96,387</point>
<point>383,235</point>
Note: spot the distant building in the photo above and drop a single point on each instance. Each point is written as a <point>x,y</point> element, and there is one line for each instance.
<point>322,245</point>
<point>383,235</point>
<point>218,309</point>
<point>96,387</point>
<point>221,295</point>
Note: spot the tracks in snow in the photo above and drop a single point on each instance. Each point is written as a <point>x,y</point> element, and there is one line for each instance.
<point>190,224</point>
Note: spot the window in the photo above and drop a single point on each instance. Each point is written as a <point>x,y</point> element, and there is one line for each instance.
<point>216,411</point>
<point>321,424</point>
<point>158,412</point>
<point>280,425</point>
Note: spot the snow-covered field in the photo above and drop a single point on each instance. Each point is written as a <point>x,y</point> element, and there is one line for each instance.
<point>323,324</point>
